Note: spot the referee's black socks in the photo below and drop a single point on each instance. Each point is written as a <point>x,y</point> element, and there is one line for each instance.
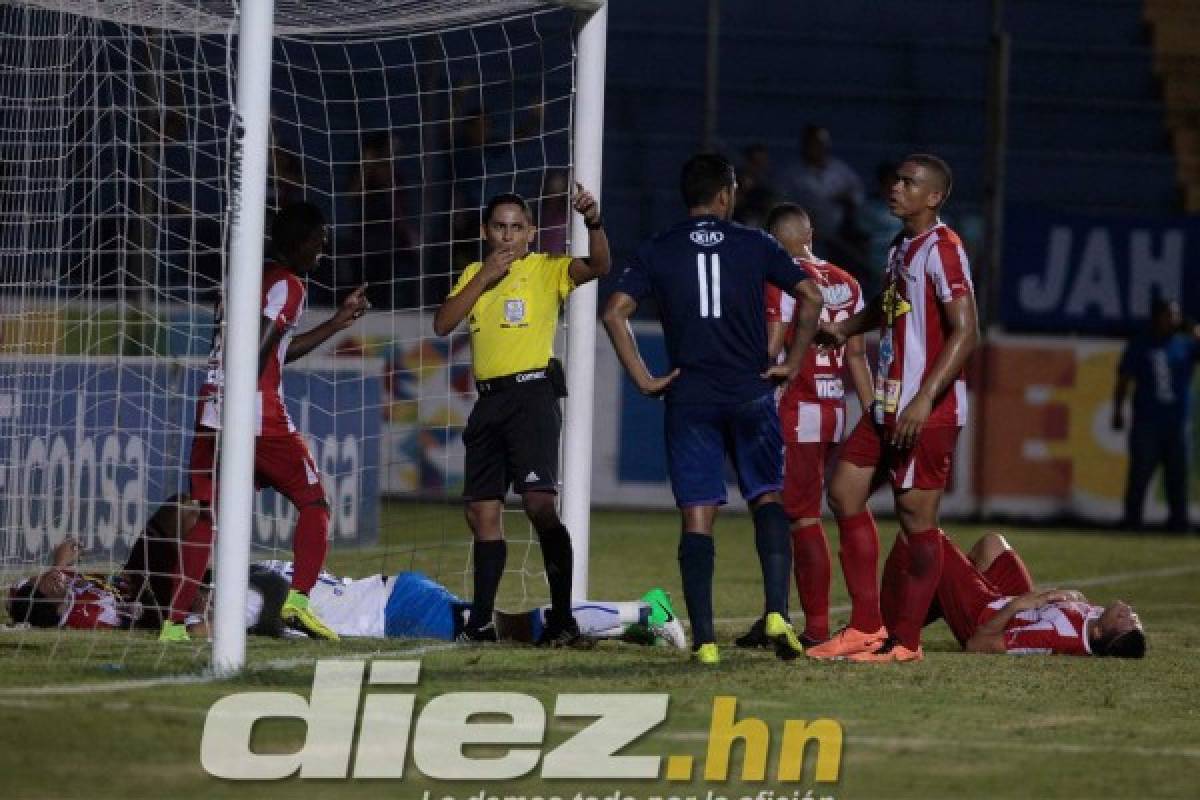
<point>489,557</point>
<point>559,559</point>
<point>773,541</point>
<point>697,554</point>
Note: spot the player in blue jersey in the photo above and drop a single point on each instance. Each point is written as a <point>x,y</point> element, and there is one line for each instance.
<point>410,605</point>
<point>707,276</point>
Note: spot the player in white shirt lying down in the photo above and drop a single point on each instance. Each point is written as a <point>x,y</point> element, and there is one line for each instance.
<point>412,605</point>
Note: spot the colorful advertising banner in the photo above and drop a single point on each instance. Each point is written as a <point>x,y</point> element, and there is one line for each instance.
<point>90,447</point>
<point>1044,434</point>
<point>1095,274</point>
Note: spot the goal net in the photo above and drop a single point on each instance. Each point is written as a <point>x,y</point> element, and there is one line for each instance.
<point>116,139</point>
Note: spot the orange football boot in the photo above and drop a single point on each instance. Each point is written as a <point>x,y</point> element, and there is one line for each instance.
<point>889,650</point>
<point>847,642</point>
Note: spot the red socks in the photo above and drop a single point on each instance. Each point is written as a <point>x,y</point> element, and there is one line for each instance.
<point>811,565</point>
<point>859,554</point>
<point>893,576</point>
<point>194,551</point>
<point>309,546</point>
<point>918,585</point>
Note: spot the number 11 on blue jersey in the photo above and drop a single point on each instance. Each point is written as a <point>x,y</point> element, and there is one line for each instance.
<point>708,272</point>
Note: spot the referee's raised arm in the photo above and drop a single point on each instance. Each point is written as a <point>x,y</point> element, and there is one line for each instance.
<point>598,260</point>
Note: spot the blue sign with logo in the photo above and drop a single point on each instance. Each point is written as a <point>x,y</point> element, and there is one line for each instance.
<point>1096,274</point>
<point>90,448</point>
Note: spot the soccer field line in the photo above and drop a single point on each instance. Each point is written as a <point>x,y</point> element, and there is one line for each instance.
<point>1069,583</point>
<point>291,663</point>
<point>208,677</point>
<point>901,743</point>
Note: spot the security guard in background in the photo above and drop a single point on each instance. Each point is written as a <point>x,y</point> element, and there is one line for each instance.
<point>511,301</point>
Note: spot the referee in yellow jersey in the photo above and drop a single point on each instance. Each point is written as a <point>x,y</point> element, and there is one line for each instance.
<point>511,301</point>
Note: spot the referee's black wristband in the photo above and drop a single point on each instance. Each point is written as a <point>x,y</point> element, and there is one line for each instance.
<point>597,226</point>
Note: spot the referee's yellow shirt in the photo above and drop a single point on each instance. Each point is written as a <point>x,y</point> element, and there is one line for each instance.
<point>512,324</point>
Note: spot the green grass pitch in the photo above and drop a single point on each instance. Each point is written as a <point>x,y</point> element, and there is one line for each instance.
<point>85,715</point>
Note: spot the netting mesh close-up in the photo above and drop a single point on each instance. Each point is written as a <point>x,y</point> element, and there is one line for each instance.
<point>115,146</point>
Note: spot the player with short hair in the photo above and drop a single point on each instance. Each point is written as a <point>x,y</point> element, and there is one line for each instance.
<point>987,598</point>
<point>64,596</point>
<point>707,276</point>
<point>812,415</point>
<point>281,458</point>
<point>928,328</point>
<point>511,301</point>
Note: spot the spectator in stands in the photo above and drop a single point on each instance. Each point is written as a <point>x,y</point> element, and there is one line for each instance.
<point>988,600</point>
<point>553,217</point>
<point>832,192</point>
<point>1158,364</point>
<point>382,196</point>
<point>757,194</point>
<point>880,227</point>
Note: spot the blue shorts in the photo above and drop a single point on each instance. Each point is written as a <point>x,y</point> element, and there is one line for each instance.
<point>700,434</point>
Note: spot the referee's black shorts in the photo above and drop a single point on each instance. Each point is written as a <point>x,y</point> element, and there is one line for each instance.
<point>512,440</point>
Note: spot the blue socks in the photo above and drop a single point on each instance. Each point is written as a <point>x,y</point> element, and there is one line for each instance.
<point>774,544</point>
<point>697,553</point>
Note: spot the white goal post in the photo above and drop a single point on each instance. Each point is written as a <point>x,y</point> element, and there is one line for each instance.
<point>237,468</point>
<point>248,32</point>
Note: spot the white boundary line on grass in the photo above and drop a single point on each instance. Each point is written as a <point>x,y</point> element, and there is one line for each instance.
<point>289,663</point>
<point>1075,583</point>
<point>900,743</point>
<point>178,680</point>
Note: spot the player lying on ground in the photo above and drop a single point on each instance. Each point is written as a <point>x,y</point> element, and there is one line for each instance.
<point>412,605</point>
<point>408,604</point>
<point>988,600</point>
<point>64,597</point>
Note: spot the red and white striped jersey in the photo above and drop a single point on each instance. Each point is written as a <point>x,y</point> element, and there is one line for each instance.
<point>282,303</point>
<point>1059,628</point>
<point>923,273</point>
<point>816,398</point>
<point>94,604</point>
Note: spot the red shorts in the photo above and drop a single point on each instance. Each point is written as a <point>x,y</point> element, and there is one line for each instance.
<point>925,465</point>
<point>804,467</point>
<point>964,592</point>
<point>281,462</point>
<point>811,433</point>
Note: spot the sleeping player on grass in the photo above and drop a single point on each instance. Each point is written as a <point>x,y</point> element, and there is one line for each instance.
<point>988,600</point>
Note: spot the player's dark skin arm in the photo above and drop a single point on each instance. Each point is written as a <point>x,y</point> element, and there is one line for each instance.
<point>776,335</point>
<point>835,334</point>
<point>962,320</point>
<point>860,371</point>
<point>808,313</point>
<point>598,261</point>
<point>353,307</point>
<point>456,307</point>
<point>989,637</point>
<point>617,312</point>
